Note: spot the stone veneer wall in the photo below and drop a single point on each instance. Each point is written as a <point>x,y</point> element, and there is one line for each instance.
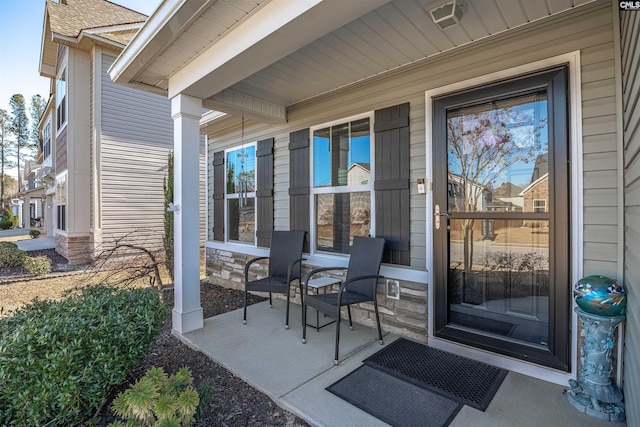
<point>406,316</point>
<point>77,249</point>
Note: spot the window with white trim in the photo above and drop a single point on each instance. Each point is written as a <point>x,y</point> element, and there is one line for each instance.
<point>240,194</point>
<point>46,143</point>
<point>61,201</point>
<point>342,183</point>
<point>539,205</point>
<point>61,100</point>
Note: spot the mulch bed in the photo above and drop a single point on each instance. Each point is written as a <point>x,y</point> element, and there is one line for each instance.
<point>58,263</point>
<point>234,402</point>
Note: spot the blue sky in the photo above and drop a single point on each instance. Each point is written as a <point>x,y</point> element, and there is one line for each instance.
<point>359,152</point>
<point>21,35</point>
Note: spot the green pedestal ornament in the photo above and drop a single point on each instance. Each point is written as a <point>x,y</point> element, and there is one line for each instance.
<point>601,303</point>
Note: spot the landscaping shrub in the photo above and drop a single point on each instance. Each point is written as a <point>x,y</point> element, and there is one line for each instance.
<point>5,223</point>
<point>34,233</point>
<point>9,220</point>
<point>8,245</point>
<point>59,359</point>
<point>158,399</point>
<point>168,221</point>
<point>10,255</point>
<point>37,265</point>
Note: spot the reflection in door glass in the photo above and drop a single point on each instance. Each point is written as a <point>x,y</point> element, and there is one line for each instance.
<point>498,155</point>
<point>505,288</point>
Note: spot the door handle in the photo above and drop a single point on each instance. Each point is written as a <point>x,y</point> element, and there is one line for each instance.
<point>437,214</point>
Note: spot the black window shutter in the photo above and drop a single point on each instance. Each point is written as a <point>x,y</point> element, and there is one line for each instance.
<point>218,196</point>
<point>264,191</point>
<point>392,182</point>
<point>299,218</point>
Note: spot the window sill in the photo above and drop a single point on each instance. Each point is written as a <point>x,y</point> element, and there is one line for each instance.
<point>59,130</point>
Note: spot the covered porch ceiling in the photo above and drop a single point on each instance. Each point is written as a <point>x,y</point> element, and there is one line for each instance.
<point>258,57</point>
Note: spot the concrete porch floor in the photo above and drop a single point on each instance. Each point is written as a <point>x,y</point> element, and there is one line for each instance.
<point>295,375</point>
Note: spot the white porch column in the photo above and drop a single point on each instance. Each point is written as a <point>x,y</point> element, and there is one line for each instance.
<point>187,312</point>
<point>26,212</point>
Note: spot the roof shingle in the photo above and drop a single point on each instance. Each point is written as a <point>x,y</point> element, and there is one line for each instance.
<point>70,17</point>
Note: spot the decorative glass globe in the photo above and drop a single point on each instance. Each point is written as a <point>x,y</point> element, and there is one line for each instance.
<point>600,295</point>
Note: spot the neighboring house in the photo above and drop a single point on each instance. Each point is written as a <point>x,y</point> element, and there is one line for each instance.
<point>535,197</point>
<point>506,196</point>
<point>32,195</point>
<point>104,152</point>
<point>458,197</point>
<point>358,174</point>
<point>294,76</point>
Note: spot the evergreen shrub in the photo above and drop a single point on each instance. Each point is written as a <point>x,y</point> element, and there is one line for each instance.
<point>10,255</point>
<point>37,265</point>
<point>158,399</point>
<point>60,359</point>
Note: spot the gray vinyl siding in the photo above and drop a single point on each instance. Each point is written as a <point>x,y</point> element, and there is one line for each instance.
<point>209,196</point>
<point>630,29</point>
<point>61,139</point>
<point>600,159</point>
<point>590,31</point>
<point>203,192</point>
<point>61,151</point>
<point>137,135</point>
<point>91,142</point>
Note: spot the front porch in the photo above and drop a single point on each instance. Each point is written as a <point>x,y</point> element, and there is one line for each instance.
<point>295,375</point>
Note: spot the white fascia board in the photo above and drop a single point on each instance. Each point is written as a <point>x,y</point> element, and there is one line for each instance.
<point>61,39</point>
<point>276,30</point>
<point>114,28</point>
<point>44,70</point>
<point>96,37</point>
<point>47,71</point>
<point>45,114</point>
<point>149,41</point>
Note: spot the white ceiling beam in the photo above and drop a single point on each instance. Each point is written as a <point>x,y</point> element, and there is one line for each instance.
<point>277,29</point>
<point>236,103</point>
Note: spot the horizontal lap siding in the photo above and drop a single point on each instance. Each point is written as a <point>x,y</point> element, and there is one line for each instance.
<point>630,29</point>
<point>600,160</point>
<point>61,139</point>
<point>591,32</point>
<point>137,135</point>
<point>91,143</point>
<point>61,151</point>
<point>209,196</point>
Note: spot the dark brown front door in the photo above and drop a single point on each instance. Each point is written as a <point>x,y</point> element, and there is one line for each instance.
<point>501,210</point>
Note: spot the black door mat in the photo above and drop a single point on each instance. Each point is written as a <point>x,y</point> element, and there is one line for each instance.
<point>394,401</point>
<point>464,380</point>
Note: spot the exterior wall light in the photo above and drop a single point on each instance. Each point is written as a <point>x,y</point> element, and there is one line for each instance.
<point>447,15</point>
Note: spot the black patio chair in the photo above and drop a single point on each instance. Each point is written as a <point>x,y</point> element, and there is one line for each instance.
<point>359,286</point>
<point>285,263</point>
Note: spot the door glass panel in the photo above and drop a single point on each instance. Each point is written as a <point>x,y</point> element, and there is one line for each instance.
<point>501,238</point>
<point>497,162</point>
<point>505,288</point>
<point>498,156</point>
